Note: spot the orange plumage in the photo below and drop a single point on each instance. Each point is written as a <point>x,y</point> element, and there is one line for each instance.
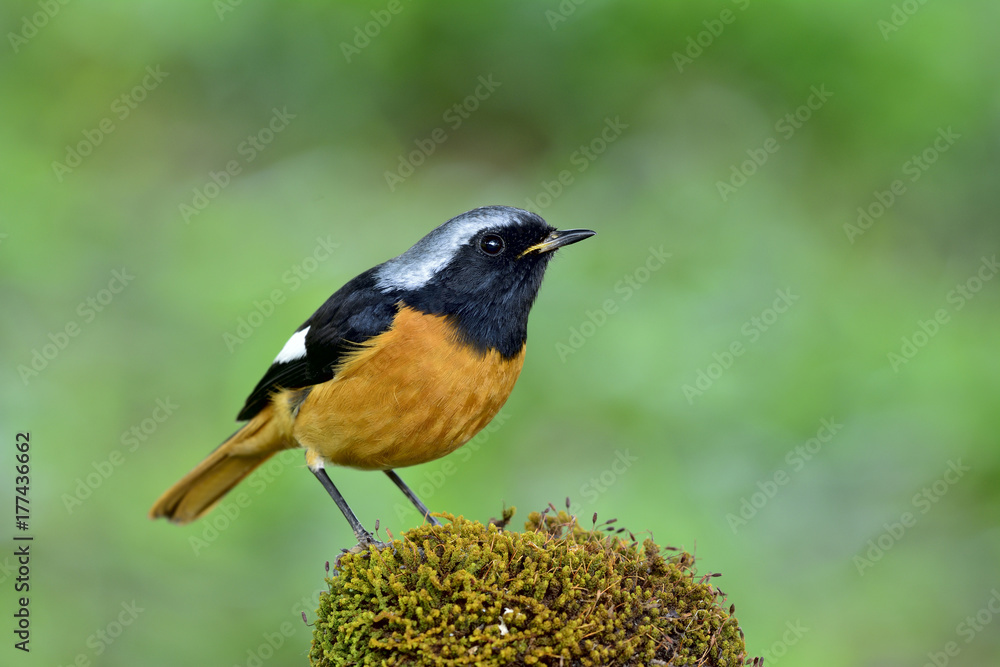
<point>407,396</point>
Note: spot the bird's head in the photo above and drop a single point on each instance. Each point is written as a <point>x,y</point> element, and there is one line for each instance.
<point>483,267</point>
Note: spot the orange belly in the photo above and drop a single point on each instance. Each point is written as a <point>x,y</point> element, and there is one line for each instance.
<point>407,396</point>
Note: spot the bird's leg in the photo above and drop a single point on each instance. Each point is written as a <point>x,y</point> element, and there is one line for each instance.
<point>364,537</point>
<point>426,513</point>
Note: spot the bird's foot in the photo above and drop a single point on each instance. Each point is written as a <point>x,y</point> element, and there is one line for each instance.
<point>366,540</point>
<point>362,547</point>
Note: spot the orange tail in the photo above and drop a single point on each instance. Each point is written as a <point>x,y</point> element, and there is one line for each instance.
<point>199,490</point>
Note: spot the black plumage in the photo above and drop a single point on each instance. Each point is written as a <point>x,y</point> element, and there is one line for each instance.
<point>353,314</point>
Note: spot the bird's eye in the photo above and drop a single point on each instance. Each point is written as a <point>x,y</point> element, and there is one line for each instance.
<point>491,244</point>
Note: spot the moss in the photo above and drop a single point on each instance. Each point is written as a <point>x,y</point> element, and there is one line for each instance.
<point>472,594</point>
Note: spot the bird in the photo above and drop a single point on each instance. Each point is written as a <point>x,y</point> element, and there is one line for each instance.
<point>402,365</point>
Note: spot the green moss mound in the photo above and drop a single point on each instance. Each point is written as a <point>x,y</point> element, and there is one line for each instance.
<point>472,594</point>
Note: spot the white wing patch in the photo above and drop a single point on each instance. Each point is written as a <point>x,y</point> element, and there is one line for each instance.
<point>294,348</point>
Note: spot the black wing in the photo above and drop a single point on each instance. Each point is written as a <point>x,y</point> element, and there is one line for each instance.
<point>356,312</point>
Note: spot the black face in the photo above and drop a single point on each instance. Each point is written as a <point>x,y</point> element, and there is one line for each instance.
<point>490,285</point>
<point>495,260</point>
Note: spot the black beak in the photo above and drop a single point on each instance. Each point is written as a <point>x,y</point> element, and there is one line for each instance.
<point>560,238</point>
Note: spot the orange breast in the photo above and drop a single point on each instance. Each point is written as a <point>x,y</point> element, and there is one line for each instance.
<point>409,395</point>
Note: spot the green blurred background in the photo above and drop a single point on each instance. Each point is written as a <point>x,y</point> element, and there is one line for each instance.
<point>860,550</point>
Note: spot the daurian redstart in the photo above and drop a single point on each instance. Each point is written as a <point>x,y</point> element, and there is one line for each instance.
<point>402,365</point>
